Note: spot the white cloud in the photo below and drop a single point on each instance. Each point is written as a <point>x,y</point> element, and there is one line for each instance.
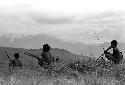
<point>24,22</point>
<point>67,6</point>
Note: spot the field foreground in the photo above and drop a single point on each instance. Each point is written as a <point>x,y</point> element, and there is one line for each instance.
<point>39,76</point>
<point>83,72</point>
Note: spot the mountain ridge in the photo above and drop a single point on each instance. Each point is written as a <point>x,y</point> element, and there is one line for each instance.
<point>36,42</point>
<point>61,53</point>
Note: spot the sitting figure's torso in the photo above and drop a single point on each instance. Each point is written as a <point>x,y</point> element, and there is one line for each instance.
<point>16,62</point>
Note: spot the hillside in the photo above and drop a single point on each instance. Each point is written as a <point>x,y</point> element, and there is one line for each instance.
<point>76,48</point>
<point>25,59</point>
<point>76,72</point>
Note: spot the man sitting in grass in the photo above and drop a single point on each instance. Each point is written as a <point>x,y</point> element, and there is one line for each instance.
<point>116,56</point>
<point>15,62</point>
<point>46,55</point>
<point>57,58</point>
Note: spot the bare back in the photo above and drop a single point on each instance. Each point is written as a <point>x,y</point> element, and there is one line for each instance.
<point>47,57</point>
<point>116,53</point>
<point>16,62</point>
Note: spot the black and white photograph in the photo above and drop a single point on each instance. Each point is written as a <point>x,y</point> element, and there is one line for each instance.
<point>62,42</point>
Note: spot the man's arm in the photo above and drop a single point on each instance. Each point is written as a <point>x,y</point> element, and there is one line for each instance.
<point>20,65</point>
<point>105,52</point>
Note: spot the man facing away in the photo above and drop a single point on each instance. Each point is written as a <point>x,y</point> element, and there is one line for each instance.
<point>15,62</point>
<point>46,55</point>
<point>116,56</point>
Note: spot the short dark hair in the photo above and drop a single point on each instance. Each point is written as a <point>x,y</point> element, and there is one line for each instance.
<point>114,42</point>
<point>16,55</point>
<point>46,47</point>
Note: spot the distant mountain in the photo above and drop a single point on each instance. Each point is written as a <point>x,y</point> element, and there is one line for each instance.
<point>36,42</point>
<point>25,59</point>
<point>62,53</point>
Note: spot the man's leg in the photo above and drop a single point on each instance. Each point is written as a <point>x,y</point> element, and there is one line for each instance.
<point>116,61</point>
<point>9,65</point>
<point>109,57</point>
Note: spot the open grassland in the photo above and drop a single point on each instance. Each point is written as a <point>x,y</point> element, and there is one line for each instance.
<point>61,75</point>
<point>69,72</point>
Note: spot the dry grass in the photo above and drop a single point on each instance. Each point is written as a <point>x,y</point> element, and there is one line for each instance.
<point>64,73</point>
<point>42,80</point>
<point>61,75</point>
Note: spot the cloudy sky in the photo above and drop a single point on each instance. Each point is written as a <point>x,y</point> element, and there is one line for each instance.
<point>74,21</point>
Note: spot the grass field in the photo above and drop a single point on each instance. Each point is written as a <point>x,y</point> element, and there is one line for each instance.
<point>75,72</point>
<point>64,75</point>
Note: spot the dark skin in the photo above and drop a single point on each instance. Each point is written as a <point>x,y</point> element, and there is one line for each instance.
<point>13,63</point>
<point>112,46</point>
<point>115,57</point>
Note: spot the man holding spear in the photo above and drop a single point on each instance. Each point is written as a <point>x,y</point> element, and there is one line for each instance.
<point>116,56</point>
<point>14,62</point>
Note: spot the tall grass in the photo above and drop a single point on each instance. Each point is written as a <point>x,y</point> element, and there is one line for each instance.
<point>71,73</point>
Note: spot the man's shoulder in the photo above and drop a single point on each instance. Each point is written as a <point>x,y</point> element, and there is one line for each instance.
<point>45,53</point>
<point>116,48</point>
<point>13,60</point>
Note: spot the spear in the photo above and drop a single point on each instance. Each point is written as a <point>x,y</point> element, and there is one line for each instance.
<point>8,56</point>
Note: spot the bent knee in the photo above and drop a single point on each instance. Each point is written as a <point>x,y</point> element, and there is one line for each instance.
<point>108,55</point>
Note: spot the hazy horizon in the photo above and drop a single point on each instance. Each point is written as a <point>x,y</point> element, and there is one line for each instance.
<point>68,23</point>
<point>75,48</point>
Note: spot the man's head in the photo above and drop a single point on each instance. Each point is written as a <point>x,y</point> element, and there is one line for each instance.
<point>114,43</point>
<point>46,47</point>
<point>16,55</point>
